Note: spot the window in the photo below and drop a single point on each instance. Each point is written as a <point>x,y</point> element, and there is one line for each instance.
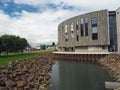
<point>86,20</point>
<point>81,27</point>
<point>94,36</point>
<point>66,40</point>
<point>86,26</point>
<point>77,38</point>
<point>77,35</point>
<point>66,37</point>
<point>94,29</point>
<point>71,26</point>
<point>77,25</point>
<point>94,21</point>
<point>77,32</point>
<point>71,31</point>
<point>81,21</point>
<point>66,29</point>
<point>94,33</point>
<point>76,22</point>
<point>66,33</point>
<point>72,34</point>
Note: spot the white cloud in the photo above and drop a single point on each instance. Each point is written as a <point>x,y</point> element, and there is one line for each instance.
<point>110,4</point>
<point>34,2</point>
<point>42,27</point>
<point>84,4</point>
<point>35,27</point>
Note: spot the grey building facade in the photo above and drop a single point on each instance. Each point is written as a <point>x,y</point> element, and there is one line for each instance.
<point>94,31</point>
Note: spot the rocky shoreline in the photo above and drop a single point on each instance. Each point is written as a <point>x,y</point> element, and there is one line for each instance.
<point>112,64</point>
<point>33,73</point>
<point>27,74</point>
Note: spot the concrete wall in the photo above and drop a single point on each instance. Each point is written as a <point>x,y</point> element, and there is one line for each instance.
<point>118,28</point>
<point>92,49</point>
<point>102,25</point>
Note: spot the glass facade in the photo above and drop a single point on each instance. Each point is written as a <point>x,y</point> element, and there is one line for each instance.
<point>112,31</point>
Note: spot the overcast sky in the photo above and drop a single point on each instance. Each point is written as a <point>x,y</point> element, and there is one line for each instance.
<point>37,20</point>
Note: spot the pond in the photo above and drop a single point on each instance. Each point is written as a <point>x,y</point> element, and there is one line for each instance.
<point>68,75</point>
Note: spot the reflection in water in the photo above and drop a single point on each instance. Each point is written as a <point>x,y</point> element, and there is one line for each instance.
<point>68,75</point>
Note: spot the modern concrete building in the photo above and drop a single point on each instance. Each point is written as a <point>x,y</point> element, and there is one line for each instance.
<point>97,31</point>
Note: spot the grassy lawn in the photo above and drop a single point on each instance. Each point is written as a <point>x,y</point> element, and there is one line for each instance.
<point>13,57</point>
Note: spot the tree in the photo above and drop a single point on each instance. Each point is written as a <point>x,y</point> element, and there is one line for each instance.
<point>43,47</point>
<point>7,42</point>
<point>12,43</point>
<point>53,44</point>
<point>0,46</point>
<point>23,43</point>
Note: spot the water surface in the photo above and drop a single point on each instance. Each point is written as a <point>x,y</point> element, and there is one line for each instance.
<point>68,75</point>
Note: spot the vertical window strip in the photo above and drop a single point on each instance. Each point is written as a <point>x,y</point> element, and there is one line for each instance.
<point>76,24</point>
<point>66,29</point>
<point>82,32</point>
<point>86,26</point>
<point>72,35</point>
<point>94,29</point>
<point>71,26</point>
<point>77,34</point>
<point>81,27</point>
<point>66,32</point>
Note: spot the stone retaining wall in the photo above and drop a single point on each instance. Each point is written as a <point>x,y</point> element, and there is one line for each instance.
<point>79,57</point>
<point>27,74</point>
<point>112,64</point>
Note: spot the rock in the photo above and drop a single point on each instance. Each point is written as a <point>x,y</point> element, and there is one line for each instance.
<point>117,89</point>
<point>31,84</point>
<point>4,71</point>
<point>34,89</point>
<point>18,78</point>
<point>26,88</point>
<point>26,74</point>
<point>12,88</point>
<point>42,87</point>
<point>3,88</point>
<point>112,63</point>
<point>2,83</point>
<point>14,74</point>
<point>30,78</point>
<point>10,83</point>
<point>21,83</point>
<point>40,79</point>
<point>20,88</point>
